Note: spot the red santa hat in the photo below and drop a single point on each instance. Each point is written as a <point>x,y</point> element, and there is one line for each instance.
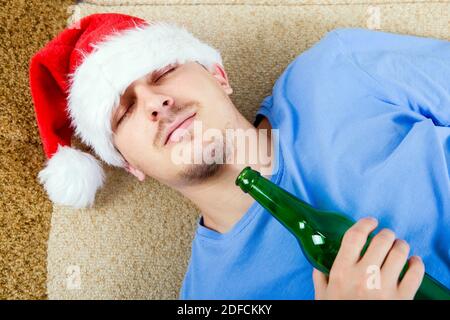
<point>76,82</point>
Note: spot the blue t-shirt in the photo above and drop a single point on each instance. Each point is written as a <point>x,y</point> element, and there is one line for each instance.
<point>364,129</point>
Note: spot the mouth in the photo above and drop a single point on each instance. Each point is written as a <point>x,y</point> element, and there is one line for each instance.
<point>181,122</point>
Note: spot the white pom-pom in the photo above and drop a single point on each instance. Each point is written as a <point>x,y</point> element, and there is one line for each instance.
<point>72,177</point>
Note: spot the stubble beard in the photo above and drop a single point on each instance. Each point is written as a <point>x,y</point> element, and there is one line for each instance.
<point>201,172</point>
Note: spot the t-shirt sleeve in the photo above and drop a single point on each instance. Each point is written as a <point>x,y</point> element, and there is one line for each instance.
<point>414,71</point>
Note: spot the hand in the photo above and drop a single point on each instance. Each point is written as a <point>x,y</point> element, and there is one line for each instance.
<point>373,276</point>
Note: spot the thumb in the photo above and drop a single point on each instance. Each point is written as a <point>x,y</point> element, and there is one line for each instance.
<point>320,282</point>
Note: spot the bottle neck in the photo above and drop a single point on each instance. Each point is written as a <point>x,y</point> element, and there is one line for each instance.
<point>287,209</point>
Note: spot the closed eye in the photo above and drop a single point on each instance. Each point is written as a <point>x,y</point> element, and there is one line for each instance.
<point>125,113</point>
<point>165,73</point>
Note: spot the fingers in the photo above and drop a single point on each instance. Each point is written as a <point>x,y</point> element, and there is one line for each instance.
<point>379,248</point>
<point>353,242</point>
<point>413,278</point>
<point>320,282</point>
<point>395,261</point>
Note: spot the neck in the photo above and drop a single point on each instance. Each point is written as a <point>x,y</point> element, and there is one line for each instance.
<point>220,201</point>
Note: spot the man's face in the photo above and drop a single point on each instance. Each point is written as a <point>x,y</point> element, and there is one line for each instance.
<point>155,104</point>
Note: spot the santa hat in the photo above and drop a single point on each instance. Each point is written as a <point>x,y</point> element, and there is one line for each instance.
<point>76,81</point>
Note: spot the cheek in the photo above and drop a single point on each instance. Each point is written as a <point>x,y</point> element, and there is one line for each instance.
<point>220,118</point>
<point>158,166</point>
<point>132,140</point>
<point>140,131</point>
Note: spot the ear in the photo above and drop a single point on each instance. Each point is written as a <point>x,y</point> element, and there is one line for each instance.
<point>219,73</point>
<point>135,172</point>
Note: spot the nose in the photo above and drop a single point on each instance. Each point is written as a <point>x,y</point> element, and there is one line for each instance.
<point>157,106</point>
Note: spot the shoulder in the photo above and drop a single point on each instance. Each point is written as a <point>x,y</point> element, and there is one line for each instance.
<point>317,63</point>
<point>320,53</point>
<point>337,49</point>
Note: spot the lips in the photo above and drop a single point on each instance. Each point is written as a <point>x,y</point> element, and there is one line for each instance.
<point>176,124</point>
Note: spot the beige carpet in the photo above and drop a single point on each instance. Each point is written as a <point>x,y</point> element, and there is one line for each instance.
<point>135,243</point>
<point>25,211</point>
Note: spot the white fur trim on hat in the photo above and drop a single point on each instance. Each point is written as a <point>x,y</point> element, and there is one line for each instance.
<point>72,177</point>
<point>104,74</point>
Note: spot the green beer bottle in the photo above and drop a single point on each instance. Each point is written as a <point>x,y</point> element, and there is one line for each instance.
<point>319,233</point>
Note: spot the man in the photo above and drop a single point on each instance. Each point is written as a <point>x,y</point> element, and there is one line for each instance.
<point>362,120</point>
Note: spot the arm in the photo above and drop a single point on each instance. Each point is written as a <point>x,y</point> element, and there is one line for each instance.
<point>414,72</point>
<point>374,275</point>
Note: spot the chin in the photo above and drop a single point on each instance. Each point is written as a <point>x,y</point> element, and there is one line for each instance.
<point>198,173</point>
